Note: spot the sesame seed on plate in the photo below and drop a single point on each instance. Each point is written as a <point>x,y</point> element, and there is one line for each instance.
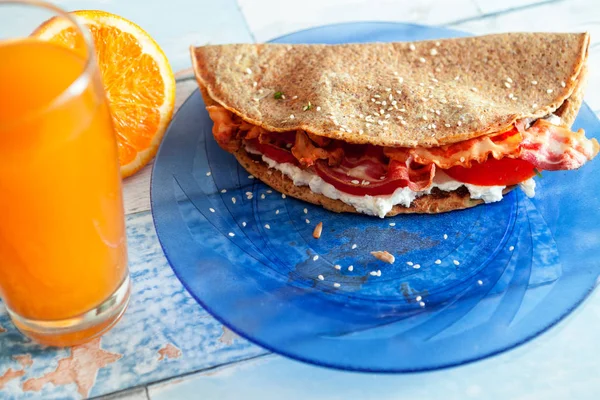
<point>395,73</point>
<point>355,181</point>
<point>425,117</point>
<point>403,122</point>
<point>267,226</point>
<point>351,268</point>
<point>534,106</point>
<point>379,122</point>
<point>336,285</point>
<point>306,211</point>
<point>437,44</point>
<point>377,96</point>
<point>480,282</point>
<point>388,89</point>
<point>507,85</point>
<point>360,131</point>
<point>244,224</point>
<point>269,191</point>
<point>510,95</point>
<point>462,159</point>
<point>373,273</point>
<point>398,91</point>
<point>373,100</point>
<point>421,59</point>
<point>384,103</point>
<point>254,84</point>
<point>456,262</point>
<point>212,210</point>
<point>438,261</point>
<point>549,91</point>
<point>338,267</point>
<point>422,304</point>
<point>534,82</point>
<point>474,89</point>
<point>433,52</point>
<point>248,71</point>
<point>409,263</point>
<point>224,191</point>
<point>456,78</point>
<point>208,173</point>
<point>563,84</point>
<point>402,110</point>
<point>412,47</point>
<point>381,111</point>
<point>421,84</point>
<point>231,234</point>
<point>354,246</point>
<point>390,108</point>
<point>417,266</point>
<point>387,116</point>
<point>233,200</point>
<point>392,224</point>
<point>318,108</point>
<point>509,80</point>
<point>262,196</point>
<point>315,258</point>
<point>447,125</point>
<point>511,248</point>
<point>307,221</point>
<point>433,126</point>
<point>283,196</point>
<point>321,277</point>
<point>292,116</point>
<point>276,211</point>
<point>418,298</point>
<point>459,123</point>
<point>445,236</point>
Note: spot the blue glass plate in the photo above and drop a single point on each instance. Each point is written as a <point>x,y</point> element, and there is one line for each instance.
<point>508,271</point>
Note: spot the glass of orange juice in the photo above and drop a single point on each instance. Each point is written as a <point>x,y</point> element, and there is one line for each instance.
<point>63,256</point>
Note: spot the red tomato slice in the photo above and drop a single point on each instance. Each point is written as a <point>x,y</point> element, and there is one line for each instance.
<point>492,172</point>
<point>273,152</point>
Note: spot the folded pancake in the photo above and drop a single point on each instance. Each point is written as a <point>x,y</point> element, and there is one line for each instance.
<point>388,128</point>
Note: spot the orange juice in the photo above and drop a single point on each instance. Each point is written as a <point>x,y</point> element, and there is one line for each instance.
<point>62,232</point>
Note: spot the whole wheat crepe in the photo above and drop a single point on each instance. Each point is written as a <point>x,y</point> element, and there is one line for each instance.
<point>426,93</point>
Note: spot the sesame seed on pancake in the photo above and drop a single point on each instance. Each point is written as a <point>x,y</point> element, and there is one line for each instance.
<point>426,93</point>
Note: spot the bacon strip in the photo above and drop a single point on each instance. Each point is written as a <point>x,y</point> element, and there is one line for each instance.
<point>307,153</point>
<point>462,153</point>
<point>550,147</point>
<point>225,130</point>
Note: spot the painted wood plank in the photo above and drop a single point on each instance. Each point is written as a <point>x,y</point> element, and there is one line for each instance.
<point>560,364</point>
<point>494,6</point>
<point>177,25</point>
<point>268,19</point>
<point>563,16</point>
<point>163,334</point>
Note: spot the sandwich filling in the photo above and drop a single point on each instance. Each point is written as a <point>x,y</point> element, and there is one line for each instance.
<point>375,178</point>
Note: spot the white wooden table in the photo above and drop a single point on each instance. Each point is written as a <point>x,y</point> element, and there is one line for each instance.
<point>168,347</point>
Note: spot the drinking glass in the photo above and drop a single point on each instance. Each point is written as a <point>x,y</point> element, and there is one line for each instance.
<point>63,257</point>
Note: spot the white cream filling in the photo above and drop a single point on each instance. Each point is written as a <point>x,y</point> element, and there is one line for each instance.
<point>381,205</point>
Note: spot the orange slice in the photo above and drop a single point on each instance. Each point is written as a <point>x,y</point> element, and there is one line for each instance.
<point>137,78</point>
